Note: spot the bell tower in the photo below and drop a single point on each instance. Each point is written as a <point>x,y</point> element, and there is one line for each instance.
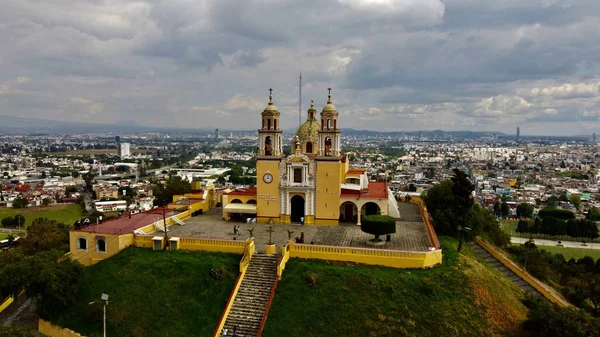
<point>268,157</point>
<point>329,168</point>
<point>329,134</point>
<point>270,142</point>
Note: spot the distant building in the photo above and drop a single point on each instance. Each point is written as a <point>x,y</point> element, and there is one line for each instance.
<point>124,150</point>
<point>216,133</point>
<point>594,138</point>
<point>518,132</point>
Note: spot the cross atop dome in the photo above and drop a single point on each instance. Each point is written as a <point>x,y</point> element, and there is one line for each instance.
<point>270,95</point>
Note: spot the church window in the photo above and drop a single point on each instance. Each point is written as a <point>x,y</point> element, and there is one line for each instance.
<point>309,148</point>
<point>263,123</point>
<point>269,124</point>
<point>275,124</point>
<point>82,243</point>
<point>328,146</point>
<point>322,124</point>
<point>328,124</point>
<point>297,175</point>
<point>335,124</point>
<point>100,245</point>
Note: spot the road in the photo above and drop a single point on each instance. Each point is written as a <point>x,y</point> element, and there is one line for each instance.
<point>566,244</point>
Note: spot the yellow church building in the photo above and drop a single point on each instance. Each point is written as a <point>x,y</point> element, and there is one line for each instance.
<point>315,183</point>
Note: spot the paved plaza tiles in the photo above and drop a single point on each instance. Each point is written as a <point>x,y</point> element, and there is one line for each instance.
<point>411,233</point>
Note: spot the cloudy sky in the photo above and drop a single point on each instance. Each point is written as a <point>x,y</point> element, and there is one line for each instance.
<point>393,64</point>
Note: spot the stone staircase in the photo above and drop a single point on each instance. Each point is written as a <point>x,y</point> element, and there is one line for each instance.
<point>253,295</point>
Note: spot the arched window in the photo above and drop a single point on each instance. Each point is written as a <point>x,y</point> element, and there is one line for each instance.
<point>269,124</point>
<point>309,148</point>
<point>335,124</point>
<point>263,120</point>
<point>81,243</point>
<point>268,150</point>
<point>275,124</point>
<point>100,245</point>
<point>328,124</point>
<point>328,146</point>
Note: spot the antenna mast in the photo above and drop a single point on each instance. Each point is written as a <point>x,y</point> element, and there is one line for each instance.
<point>300,102</point>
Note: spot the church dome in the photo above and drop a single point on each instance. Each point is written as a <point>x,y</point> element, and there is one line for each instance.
<point>309,131</point>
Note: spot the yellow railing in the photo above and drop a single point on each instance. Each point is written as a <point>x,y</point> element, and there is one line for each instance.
<point>49,329</point>
<point>539,286</point>
<point>248,251</point>
<point>433,239</point>
<point>144,241</point>
<point>213,245</point>
<point>7,301</point>
<point>285,256</point>
<point>382,257</point>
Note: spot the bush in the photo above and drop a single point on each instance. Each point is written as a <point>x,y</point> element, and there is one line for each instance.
<point>562,214</point>
<point>378,225</point>
<point>9,222</point>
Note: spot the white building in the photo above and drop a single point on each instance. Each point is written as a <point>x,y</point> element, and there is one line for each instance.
<point>125,150</point>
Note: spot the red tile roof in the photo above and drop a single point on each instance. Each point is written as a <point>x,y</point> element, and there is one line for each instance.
<point>243,191</point>
<point>377,190</point>
<point>126,225</point>
<point>355,171</point>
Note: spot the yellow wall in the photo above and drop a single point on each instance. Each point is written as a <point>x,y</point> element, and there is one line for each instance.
<point>52,330</point>
<point>381,257</point>
<point>328,190</point>
<point>267,206</point>
<point>114,244</point>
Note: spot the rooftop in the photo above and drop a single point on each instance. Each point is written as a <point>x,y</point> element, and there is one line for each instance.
<point>125,224</point>
<point>376,190</point>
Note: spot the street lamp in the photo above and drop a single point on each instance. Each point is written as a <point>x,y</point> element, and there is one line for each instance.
<point>104,298</point>
<point>461,239</point>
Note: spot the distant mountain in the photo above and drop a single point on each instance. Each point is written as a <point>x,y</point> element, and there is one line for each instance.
<point>25,125</point>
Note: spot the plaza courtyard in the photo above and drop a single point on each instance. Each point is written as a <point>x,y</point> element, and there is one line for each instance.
<point>410,235</point>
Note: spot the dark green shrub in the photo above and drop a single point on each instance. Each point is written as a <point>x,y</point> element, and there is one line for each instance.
<point>378,225</point>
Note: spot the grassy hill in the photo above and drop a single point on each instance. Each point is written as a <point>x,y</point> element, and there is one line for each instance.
<point>154,293</point>
<point>463,297</point>
<point>66,213</point>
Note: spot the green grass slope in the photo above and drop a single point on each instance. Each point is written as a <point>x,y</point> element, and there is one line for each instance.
<point>154,293</point>
<point>67,213</point>
<point>463,297</point>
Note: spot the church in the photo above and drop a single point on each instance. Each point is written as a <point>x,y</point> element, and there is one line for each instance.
<point>315,184</point>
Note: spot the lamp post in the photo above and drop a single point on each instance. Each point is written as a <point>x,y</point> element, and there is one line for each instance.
<point>461,239</point>
<point>104,298</point>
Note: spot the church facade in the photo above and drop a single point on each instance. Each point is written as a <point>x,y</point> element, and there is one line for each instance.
<point>315,183</point>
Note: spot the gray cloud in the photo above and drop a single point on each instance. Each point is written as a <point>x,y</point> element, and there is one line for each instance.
<point>394,65</point>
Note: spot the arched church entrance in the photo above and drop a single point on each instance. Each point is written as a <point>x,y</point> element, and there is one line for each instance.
<point>348,212</point>
<point>297,204</point>
<point>370,208</point>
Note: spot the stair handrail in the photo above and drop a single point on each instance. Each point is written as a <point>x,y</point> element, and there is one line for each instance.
<point>285,256</point>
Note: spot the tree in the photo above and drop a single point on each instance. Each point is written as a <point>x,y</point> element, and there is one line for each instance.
<point>378,225</point>
<point>8,222</point>
<point>20,202</point>
<point>174,185</point>
<point>497,208</point>
<point>523,226</point>
<point>75,174</point>
<point>44,176</point>
<point>19,220</point>
<point>548,320</point>
<point>504,209</point>
<point>6,331</point>
<point>46,202</point>
<point>576,201</point>
<point>128,192</point>
<point>594,214</point>
<point>525,210</point>
<point>44,234</point>
<point>71,189</point>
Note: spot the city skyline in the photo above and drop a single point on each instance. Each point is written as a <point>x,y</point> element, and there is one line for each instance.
<point>393,65</point>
